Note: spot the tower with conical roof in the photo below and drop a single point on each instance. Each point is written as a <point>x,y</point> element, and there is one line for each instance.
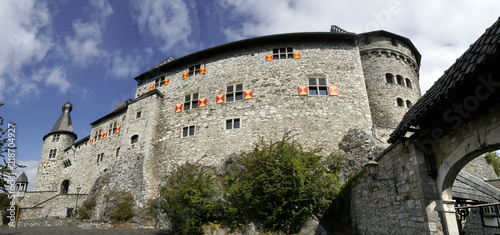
<point>55,142</point>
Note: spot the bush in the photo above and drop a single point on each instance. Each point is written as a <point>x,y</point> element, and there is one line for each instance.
<point>191,198</point>
<point>280,185</point>
<point>122,212</point>
<point>494,159</point>
<point>85,210</point>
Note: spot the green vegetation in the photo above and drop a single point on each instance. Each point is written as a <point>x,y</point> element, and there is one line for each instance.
<point>122,212</point>
<point>277,185</point>
<point>86,209</point>
<point>191,198</point>
<point>494,159</point>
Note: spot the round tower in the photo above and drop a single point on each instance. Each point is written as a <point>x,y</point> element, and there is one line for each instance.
<point>391,69</point>
<point>54,143</point>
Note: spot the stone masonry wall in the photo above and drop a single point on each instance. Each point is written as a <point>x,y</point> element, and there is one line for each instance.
<point>276,107</point>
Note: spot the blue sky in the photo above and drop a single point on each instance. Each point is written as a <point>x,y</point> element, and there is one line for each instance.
<point>90,51</point>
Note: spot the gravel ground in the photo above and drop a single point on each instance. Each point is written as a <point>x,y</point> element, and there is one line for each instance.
<point>64,230</point>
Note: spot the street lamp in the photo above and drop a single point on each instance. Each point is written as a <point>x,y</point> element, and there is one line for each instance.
<point>372,168</point>
<point>78,188</point>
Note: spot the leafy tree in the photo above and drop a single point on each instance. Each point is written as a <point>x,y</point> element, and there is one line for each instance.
<point>7,148</point>
<point>280,185</point>
<point>191,198</point>
<point>494,159</point>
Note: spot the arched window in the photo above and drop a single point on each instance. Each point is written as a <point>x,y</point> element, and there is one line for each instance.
<point>408,83</point>
<point>400,102</point>
<point>400,80</point>
<point>408,104</point>
<point>64,187</point>
<point>134,139</point>
<point>389,78</point>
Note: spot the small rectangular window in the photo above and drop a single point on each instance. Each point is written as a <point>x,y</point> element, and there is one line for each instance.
<point>56,137</point>
<point>138,114</point>
<point>195,69</point>
<point>318,86</point>
<point>234,92</point>
<point>283,53</point>
<point>52,153</point>
<point>232,124</point>
<point>188,131</point>
<point>191,101</point>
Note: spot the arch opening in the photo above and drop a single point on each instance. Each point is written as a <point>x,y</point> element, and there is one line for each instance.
<point>64,187</point>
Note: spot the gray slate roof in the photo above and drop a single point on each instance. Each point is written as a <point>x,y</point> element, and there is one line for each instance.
<point>484,49</point>
<point>467,186</point>
<point>22,179</point>
<point>64,121</point>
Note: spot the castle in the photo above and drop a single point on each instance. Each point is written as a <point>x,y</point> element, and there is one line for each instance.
<point>216,102</point>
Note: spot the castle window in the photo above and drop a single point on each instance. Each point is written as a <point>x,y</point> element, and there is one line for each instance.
<point>317,86</point>
<point>112,128</point>
<point>389,78</point>
<point>283,53</point>
<point>66,163</point>
<point>188,131</point>
<point>400,102</point>
<point>196,69</point>
<point>52,153</point>
<point>408,83</point>
<point>55,138</point>
<point>97,135</point>
<point>134,139</point>
<point>191,101</point>
<point>138,114</point>
<point>408,104</point>
<point>159,82</point>
<point>117,151</point>
<point>64,187</point>
<point>234,92</point>
<point>100,157</point>
<point>400,80</point>
<point>233,124</point>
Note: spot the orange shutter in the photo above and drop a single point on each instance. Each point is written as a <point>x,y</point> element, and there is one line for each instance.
<point>269,57</point>
<point>152,87</point>
<point>105,134</point>
<point>185,75</point>
<point>166,82</point>
<point>91,140</point>
<point>118,129</point>
<point>248,94</point>
<point>303,90</point>
<point>178,108</point>
<point>202,102</point>
<point>220,98</point>
<point>296,55</point>
<point>333,90</point>
<point>101,136</point>
<point>203,70</point>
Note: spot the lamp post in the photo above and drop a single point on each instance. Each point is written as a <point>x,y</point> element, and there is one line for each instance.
<point>78,188</point>
<point>18,206</point>
<point>372,168</point>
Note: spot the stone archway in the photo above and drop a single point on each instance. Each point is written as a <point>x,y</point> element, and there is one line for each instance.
<point>64,187</point>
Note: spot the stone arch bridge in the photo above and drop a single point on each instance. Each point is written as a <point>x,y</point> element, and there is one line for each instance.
<point>457,120</point>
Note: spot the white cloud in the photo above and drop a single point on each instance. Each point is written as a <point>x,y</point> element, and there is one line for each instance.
<point>24,41</point>
<point>167,21</point>
<point>85,45</point>
<point>441,30</point>
<point>127,66</point>
<point>53,77</point>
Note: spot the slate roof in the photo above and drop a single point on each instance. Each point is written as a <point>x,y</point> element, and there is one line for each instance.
<point>467,186</point>
<point>63,124</point>
<point>22,179</point>
<point>481,51</point>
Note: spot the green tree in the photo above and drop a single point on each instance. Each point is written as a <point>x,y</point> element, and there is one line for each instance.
<point>191,198</point>
<point>280,185</point>
<point>494,159</point>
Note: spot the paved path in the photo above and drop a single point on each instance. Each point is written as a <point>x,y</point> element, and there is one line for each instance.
<point>64,230</point>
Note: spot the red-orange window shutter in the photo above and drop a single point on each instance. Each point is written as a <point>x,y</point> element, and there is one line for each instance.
<point>178,108</point>
<point>303,90</point>
<point>220,98</point>
<point>248,94</point>
<point>333,90</point>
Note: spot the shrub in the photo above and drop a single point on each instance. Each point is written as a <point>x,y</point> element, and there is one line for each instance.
<point>494,159</point>
<point>85,210</point>
<point>191,198</point>
<point>280,185</point>
<point>122,211</point>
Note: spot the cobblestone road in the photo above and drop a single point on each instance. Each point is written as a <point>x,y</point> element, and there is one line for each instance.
<point>64,230</point>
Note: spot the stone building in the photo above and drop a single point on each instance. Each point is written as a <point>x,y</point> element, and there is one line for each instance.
<point>210,104</point>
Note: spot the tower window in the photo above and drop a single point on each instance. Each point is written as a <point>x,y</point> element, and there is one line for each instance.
<point>134,139</point>
<point>159,81</point>
<point>389,78</point>
<point>55,138</point>
<point>233,124</point>
<point>52,153</point>
<point>191,101</point>
<point>408,104</point>
<point>283,53</point>
<point>100,157</point>
<point>188,131</point>
<point>234,92</point>
<point>66,163</point>
<point>400,102</point>
<point>408,83</point>
<point>117,151</point>
<point>317,86</point>
<point>400,80</point>
<point>138,114</point>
